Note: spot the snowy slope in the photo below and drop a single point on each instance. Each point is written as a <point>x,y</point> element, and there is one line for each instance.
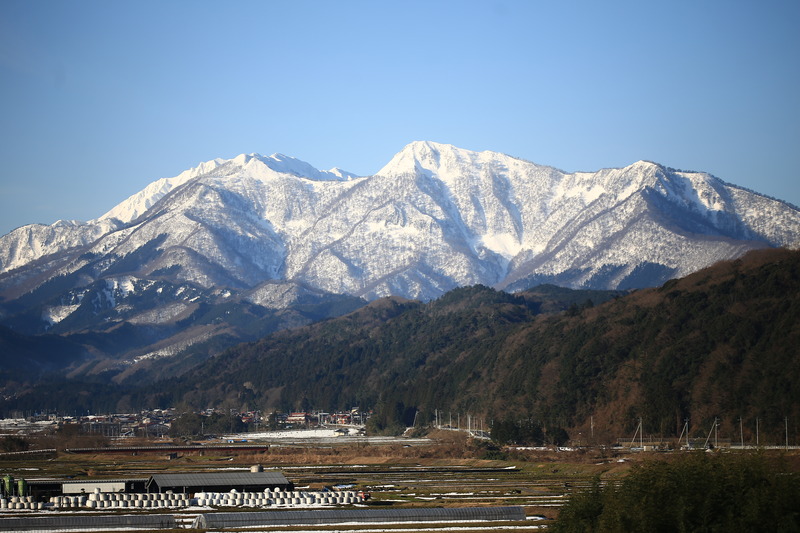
<point>140,202</point>
<point>29,243</point>
<point>434,218</point>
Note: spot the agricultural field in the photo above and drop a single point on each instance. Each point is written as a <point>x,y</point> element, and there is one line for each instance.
<point>446,469</point>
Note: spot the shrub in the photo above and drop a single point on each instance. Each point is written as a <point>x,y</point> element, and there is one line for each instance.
<point>699,492</point>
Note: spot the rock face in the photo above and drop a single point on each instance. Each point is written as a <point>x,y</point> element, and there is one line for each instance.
<point>434,218</point>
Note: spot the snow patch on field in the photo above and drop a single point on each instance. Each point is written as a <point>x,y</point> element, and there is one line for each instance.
<point>294,434</point>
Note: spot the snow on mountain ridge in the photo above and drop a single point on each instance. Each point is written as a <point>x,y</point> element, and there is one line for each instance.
<point>41,240</point>
<point>435,217</point>
<point>291,165</point>
<point>262,234</point>
<point>440,159</point>
<point>29,243</point>
<point>136,204</point>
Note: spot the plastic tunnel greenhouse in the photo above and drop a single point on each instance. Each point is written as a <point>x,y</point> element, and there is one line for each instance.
<point>88,523</point>
<point>327,517</point>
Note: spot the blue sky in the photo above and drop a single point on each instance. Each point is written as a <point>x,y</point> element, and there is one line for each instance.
<point>101,98</point>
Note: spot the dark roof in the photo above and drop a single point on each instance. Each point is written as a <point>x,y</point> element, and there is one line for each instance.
<point>89,480</point>
<point>214,479</point>
<point>327,517</point>
<point>55,523</point>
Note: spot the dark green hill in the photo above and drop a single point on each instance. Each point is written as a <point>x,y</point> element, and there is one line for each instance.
<point>27,358</point>
<point>720,343</point>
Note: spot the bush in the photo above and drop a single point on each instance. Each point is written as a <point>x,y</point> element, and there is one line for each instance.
<point>582,512</point>
<point>699,492</point>
<point>13,443</point>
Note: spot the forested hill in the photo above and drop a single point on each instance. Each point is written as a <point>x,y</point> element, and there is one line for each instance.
<point>719,343</point>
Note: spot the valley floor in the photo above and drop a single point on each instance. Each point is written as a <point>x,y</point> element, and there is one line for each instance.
<point>447,470</point>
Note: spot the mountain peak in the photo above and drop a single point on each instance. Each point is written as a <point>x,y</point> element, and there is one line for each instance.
<point>644,164</point>
<point>461,217</point>
<point>418,155</point>
<point>429,150</point>
<point>423,147</point>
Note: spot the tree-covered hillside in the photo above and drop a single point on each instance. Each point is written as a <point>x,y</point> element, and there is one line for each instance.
<point>720,343</point>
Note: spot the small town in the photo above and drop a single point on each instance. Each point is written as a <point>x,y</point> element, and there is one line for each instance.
<point>160,423</point>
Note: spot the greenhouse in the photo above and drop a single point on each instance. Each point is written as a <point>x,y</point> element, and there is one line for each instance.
<point>218,481</point>
<point>88,523</point>
<point>327,517</point>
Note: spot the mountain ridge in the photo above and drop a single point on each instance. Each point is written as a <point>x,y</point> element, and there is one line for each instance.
<point>718,345</point>
<point>441,164</point>
<point>435,217</point>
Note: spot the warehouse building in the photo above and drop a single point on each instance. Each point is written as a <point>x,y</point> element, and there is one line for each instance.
<point>43,489</point>
<point>253,481</point>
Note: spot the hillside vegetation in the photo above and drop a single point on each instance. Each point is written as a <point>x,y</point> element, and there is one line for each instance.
<point>719,343</point>
<point>699,492</point>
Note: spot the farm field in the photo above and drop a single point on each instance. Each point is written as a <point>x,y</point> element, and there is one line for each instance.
<point>445,470</point>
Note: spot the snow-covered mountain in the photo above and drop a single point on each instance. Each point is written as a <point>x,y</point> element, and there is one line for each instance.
<point>434,218</point>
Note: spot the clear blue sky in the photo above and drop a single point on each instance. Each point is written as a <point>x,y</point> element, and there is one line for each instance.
<point>101,98</point>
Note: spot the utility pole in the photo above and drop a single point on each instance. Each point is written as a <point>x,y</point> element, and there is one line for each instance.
<point>641,434</point>
<point>685,430</point>
<point>713,430</point>
<point>639,431</point>
<point>687,435</point>
<point>741,432</point>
